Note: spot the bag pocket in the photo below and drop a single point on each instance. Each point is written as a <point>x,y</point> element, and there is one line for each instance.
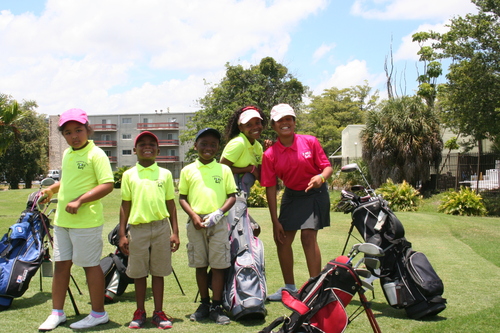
<point>424,276</point>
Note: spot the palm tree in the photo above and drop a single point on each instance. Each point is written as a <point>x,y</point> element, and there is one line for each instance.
<point>10,113</point>
<point>401,141</point>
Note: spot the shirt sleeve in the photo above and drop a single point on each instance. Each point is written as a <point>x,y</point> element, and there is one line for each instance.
<point>320,158</point>
<point>102,168</point>
<point>125,187</point>
<point>267,173</point>
<point>229,183</point>
<point>183,183</point>
<point>233,150</point>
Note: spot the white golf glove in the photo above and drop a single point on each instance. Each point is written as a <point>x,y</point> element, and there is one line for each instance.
<point>213,218</point>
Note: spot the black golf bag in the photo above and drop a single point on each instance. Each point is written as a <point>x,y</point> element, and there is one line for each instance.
<point>245,288</point>
<point>21,253</point>
<point>407,277</point>
<point>114,267</point>
<point>319,305</point>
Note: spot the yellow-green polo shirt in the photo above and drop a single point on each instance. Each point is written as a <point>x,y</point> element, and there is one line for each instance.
<point>82,170</point>
<point>206,185</point>
<point>147,189</point>
<point>242,153</point>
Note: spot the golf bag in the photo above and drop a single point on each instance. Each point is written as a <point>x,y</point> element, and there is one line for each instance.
<point>114,267</point>
<point>245,287</point>
<point>319,305</point>
<point>21,254</point>
<point>407,278</point>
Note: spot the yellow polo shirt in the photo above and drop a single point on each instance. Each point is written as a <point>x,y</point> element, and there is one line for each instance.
<point>207,186</point>
<point>82,170</point>
<point>147,189</point>
<point>242,153</point>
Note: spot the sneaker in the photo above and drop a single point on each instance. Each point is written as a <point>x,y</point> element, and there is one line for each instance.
<point>139,319</point>
<point>90,321</point>
<point>52,322</point>
<point>217,315</point>
<point>161,320</point>
<point>201,313</point>
<point>276,297</point>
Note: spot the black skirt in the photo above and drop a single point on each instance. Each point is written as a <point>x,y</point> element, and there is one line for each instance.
<point>305,210</point>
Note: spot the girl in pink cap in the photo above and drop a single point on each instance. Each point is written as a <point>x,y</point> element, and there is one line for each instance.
<point>300,162</point>
<point>86,178</point>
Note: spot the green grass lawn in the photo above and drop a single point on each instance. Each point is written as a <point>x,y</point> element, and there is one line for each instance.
<point>461,249</point>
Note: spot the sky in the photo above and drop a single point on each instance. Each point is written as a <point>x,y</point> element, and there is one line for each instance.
<point>124,56</point>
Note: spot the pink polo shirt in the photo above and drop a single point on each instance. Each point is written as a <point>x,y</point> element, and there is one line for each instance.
<point>295,165</point>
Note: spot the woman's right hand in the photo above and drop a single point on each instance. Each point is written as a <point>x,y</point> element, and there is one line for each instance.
<point>278,233</point>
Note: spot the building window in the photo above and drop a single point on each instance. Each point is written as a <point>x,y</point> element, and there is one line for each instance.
<point>126,152</point>
<point>107,152</point>
<point>126,120</point>
<point>127,136</point>
<point>172,152</point>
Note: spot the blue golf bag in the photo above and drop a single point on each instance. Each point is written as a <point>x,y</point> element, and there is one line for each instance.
<point>21,254</point>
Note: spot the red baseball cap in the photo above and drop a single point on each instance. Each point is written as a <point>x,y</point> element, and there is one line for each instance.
<point>143,134</point>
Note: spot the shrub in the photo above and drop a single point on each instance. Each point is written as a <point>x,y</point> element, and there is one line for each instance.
<point>117,175</point>
<point>464,202</point>
<point>401,197</point>
<point>491,201</point>
<point>257,197</point>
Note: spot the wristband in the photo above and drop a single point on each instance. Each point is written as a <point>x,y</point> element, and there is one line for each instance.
<point>322,178</point>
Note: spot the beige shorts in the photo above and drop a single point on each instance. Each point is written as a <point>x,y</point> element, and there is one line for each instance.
<point>149,246</point>
<point>209,246</point>
<point>82,246</point>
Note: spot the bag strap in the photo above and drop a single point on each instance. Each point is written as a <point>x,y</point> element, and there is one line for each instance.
<point>120,267</point>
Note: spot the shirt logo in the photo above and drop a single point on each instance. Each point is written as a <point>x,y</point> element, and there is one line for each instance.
<point>307,154</point>
<point>81,164</point>
<point>217,179</point>
<point>159,182</point>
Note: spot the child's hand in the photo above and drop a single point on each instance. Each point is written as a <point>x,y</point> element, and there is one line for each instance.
<point>73,206</point>
<point>213,218</point>
<point>45,196</point>
<point>123,245</point>
<point>174,242</point>
<point>197,222</point>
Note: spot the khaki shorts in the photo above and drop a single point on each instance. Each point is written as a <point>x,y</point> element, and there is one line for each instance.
<point>149,246</point>
<point>209,246</point>
<point>82,246</point>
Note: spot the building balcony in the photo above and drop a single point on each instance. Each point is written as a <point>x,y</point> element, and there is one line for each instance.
<point>167,158</point>
<point>163,143</point>
<point>104,127</point>
<point>112,159</point>
<point>157,126</point>
<point>108,143</point>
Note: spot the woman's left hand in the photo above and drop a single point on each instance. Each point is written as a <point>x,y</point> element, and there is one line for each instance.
<point>315,182</point>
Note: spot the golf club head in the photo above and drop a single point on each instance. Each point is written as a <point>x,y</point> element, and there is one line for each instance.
<point>354,250</point>
<point>363,272</point>
<point>367,285</point>
<point>371,249</point>
<point>372,263</point>
<point>357,188</point>
<point>47,182</point>
<point>350,167</point>
<point>53,200</point>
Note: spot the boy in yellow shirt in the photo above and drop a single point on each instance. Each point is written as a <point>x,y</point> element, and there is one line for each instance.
<point>206,192</point>
<point>147,206</point>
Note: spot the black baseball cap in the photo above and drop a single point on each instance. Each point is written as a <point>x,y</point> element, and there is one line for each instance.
<point>207,130</point>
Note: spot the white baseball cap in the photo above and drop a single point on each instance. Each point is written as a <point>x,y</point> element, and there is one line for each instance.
<point>281,110</point>
<point>246,115</point>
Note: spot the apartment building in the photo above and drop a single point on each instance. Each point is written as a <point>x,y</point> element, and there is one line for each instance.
<point>115,134</point>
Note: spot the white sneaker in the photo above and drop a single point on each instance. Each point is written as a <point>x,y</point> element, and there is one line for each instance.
<point>52,322</point>
<point>90,321</point>
<point>276,297</point>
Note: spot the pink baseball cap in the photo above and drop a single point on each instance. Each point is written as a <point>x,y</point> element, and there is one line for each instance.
<point>248,114</point>
<point>77,115</point>
<point>144,134</point>
<point>281,110</point>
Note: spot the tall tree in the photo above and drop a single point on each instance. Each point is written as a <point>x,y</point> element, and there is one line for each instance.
<point>470,98</point>
<point>264,85</point>
<point>26,158</point>
<point>401,141</point>
<point>328,114</point>
<point>9,114</point>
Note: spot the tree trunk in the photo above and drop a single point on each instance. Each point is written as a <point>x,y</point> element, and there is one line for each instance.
<point>479,152</point>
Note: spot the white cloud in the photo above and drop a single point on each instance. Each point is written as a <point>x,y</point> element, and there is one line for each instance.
<point>78,53</point>
<point>411,9</point>
<point>351,74</point>
<point>322,51</point>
